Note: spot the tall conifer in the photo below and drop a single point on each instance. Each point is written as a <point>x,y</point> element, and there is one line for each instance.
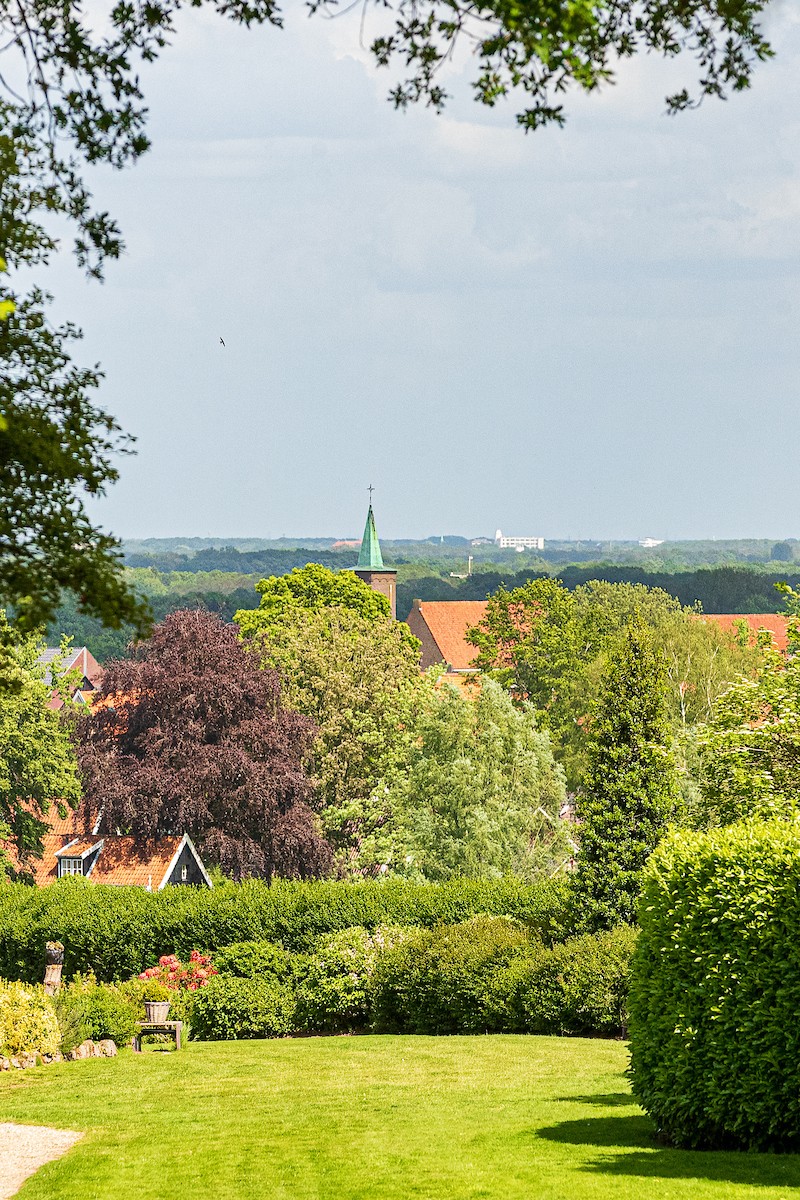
<point>629,790</point>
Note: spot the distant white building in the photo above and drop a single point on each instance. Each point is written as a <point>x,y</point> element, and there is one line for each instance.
<point>518,543</point>
<point>651,543</point>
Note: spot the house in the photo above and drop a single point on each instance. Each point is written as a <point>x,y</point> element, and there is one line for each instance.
<point>117,859</point>
<point>90,673</point>
<point>441,626</point>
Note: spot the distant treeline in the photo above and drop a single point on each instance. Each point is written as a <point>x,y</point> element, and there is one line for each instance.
<point>113,643</point>
<point>267,562</point>
<point>718,589</point>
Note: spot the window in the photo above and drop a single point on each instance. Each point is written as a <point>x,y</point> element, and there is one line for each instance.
<point>70,866</point>
<point>184,874</point>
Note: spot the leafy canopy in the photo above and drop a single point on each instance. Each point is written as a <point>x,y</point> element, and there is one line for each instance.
<point>310,587</point>
<point>750,749</point>
<point>357,677</point>
<point>56,445</point>
<point>191,735</point>
<point>481,792</point>
<point>550,645</point>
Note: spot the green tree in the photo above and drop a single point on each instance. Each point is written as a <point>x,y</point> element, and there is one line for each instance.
<point>480,793</point>
<point>358,678</point>
<point>629,792</point>
<point>310,587</point>
<point>750,750</point>
<point>38,768</point>
<point>550,646</point>
<point>56,446</point>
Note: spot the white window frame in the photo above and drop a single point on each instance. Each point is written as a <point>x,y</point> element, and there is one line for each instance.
<point>70,866</point>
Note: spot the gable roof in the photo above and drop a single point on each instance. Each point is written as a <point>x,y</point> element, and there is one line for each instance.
<point>447,622</point>
<point>123,860</point>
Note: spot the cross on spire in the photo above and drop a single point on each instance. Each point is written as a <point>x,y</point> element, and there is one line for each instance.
<point>370,489</point>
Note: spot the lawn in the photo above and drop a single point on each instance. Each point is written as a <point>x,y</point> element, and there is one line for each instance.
<point>384,1118</point>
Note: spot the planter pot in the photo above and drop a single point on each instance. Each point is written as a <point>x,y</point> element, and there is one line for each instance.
<point>156,1011</point>
<point>54,954</point>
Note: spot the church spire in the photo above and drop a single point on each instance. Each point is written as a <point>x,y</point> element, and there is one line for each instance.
<point>370,566</point>
<point>370,557</point>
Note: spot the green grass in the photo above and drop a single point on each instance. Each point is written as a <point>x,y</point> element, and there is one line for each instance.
<point>373,1118</point>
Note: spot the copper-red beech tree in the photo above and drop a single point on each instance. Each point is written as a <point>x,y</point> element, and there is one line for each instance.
<point>189,735</point>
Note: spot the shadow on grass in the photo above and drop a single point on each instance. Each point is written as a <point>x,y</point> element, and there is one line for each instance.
<point>640,1154</point>
<point>603,1100</point>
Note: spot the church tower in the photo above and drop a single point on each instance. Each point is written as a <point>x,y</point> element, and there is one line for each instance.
<point>370,566</point>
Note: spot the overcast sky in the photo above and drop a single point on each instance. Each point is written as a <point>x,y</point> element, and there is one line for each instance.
<point>582,332</point>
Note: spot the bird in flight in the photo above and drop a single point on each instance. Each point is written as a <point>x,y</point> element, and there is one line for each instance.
<point>221,342</point>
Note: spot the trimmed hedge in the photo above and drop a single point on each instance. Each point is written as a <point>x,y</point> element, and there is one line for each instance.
<point>118,932</point>
<point>715,989</point>
<point>578,987</point>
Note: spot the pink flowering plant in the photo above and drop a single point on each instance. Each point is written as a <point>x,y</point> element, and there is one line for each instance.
<point>182,976</point>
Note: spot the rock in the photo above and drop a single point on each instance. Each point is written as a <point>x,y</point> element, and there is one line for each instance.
<point>14,1062</point>
<point>57,1057</point>
<point>5,1065</point>
<point>107,1047</point>
<point>85,1050</point>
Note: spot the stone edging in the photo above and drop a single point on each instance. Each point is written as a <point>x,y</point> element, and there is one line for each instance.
<point>87,1049</point>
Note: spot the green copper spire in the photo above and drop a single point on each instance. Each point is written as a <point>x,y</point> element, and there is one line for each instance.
<point>370,557</point>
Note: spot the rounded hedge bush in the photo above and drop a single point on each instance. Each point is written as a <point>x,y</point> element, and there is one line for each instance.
<point>228,1008</point>
<point>577,987</point>
<point>253,960</point>
<point>439,980</point>
<point>715,988</point>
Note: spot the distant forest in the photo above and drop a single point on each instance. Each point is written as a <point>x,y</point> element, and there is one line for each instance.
<point>222,581</point>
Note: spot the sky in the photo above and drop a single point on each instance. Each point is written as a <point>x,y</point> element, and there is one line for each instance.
<point>587,332</point>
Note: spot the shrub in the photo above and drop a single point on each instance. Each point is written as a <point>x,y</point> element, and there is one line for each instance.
<point>88,1009</point>
<point>109,1015</point>
<point>28,1022</point>
<point>715,988</point>
<point>230,1008</point>
<point>254,960</point>
<point>578,987</point>
<point>334,989</point>
<point>118,932</point>
<point>438,981</point>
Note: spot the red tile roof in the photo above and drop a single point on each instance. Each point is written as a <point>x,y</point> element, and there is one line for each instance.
<point>126,861</point>
<point>123,860</point>
<point>75,848</point>
<point>448,622</point>
<point>775,623</point>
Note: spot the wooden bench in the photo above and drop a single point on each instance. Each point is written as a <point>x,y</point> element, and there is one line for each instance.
<point>172,1029</point>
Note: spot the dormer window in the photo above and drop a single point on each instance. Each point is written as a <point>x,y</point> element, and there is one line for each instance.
<point>70,866</point>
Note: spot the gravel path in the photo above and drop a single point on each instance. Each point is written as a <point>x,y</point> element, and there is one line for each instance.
<point>25,1148</point>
